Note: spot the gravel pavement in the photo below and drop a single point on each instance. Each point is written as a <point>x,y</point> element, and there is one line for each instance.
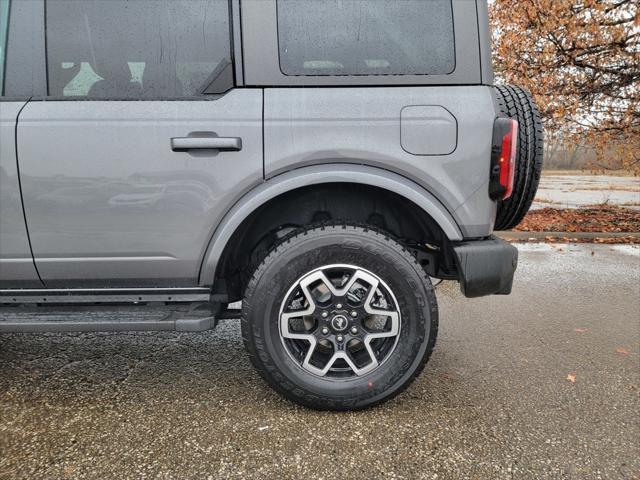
<point>543,383</point>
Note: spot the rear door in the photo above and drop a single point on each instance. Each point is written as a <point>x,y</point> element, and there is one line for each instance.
<point>16,263</point>
<point>141,144</point>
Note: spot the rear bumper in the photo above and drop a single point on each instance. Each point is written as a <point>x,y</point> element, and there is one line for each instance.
<point>485,267</point>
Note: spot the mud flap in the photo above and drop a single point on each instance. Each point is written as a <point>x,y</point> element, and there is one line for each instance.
<point>485,267</point>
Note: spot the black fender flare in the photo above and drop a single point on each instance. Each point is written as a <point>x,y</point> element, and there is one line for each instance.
<point>314,175</point>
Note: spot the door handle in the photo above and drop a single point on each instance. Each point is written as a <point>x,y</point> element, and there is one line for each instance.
<point>226,144</point>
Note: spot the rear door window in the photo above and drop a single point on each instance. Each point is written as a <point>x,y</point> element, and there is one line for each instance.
<point>366,37</point>
<point>136,49</point>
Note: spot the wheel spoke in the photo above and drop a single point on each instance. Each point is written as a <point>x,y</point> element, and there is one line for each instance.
<point>393,316</point>
<point>306,282</point>
<point>392,332</point>
<point>337,356</point>
<point>285,326</point>
<point>285,317</point>
<point>372,336</point>
<point>339,291</point>
<point>372,281</point>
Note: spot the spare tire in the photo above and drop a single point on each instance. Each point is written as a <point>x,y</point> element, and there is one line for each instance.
<point>518,104</point>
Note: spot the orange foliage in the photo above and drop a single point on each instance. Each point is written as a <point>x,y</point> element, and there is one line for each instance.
<point>581,61</point>
<point>588,219</point>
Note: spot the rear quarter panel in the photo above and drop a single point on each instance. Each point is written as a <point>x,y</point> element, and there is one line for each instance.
<point>308,126</point>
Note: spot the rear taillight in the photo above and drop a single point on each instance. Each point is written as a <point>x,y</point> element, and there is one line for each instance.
<point>503,158</point>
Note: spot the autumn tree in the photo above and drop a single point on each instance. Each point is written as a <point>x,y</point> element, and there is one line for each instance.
<point>580,60</point>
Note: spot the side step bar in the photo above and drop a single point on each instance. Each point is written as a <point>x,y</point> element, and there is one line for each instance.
<point>104,295</point>
<point>182,318</point>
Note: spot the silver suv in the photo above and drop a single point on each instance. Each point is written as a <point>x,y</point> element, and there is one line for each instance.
<point>319,160</point>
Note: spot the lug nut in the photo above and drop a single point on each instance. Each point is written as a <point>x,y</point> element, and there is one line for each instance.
<point>354,313</point>
<point>325,314</point>
<point>340,338</point>
<point>354,330</point>
<point>325,330</point>
<point>339,305</point>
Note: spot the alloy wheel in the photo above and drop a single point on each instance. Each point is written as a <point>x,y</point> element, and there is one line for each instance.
<point>339,321</point>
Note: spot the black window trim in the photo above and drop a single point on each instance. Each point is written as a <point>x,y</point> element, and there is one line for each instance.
<point>33,95</point>
<point>3,67</point>
<point>260,51</point>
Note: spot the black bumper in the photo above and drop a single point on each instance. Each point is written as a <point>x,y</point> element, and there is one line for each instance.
<point>485,267</point>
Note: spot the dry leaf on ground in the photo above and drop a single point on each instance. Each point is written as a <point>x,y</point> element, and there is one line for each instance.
<point>590,219</point>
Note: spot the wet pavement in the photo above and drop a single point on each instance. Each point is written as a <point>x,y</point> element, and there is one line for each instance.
<point>573,191</point>
<point>540,384</point>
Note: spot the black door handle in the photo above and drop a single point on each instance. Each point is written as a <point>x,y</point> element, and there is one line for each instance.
<point>226,144</point>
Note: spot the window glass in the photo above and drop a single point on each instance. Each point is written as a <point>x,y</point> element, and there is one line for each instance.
<point>365,37</point>
<point>135,48</point>
<point>4,23</point>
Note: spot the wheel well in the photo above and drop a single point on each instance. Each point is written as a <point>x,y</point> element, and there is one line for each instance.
<point>331,202</point>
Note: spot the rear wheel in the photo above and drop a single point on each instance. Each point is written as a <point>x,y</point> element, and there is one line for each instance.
<point>339,317</point>
<point>518,104</point>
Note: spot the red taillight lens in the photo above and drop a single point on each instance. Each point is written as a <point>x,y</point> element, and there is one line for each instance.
<point>508,159</point>
<point>503,158</point>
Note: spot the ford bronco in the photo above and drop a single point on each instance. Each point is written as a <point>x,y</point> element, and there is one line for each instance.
<point>319,160</point>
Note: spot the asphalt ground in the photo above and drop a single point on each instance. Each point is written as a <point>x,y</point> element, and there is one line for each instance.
<point>543,383</point>
<point>577,190</point>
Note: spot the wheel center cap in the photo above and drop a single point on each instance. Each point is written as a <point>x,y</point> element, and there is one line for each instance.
<point>339,323</point>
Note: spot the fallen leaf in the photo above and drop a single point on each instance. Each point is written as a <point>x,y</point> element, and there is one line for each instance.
<point>571,378</point>
<point>69,470</point>
<point>622,351</point>
<point>597,218</point>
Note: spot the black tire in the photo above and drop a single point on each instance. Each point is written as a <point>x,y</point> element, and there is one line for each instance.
<point>316,247</point>
<point>518,104</point>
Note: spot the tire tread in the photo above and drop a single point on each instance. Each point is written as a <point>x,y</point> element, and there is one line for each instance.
<point>517,103</point>
<point>278,382</point>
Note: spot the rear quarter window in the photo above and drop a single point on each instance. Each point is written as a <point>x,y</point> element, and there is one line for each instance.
<point>365,37</point>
